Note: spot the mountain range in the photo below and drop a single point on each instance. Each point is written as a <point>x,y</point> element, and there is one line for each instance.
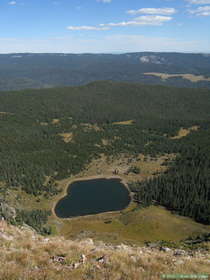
<point>41,70</point>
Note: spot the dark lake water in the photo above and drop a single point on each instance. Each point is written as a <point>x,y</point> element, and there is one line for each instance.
<point>93,197</point>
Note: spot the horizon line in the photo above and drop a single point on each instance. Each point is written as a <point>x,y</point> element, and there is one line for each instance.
<point>114,53</point>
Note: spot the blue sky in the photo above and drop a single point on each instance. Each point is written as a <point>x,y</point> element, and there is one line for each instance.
<point>78,26</point>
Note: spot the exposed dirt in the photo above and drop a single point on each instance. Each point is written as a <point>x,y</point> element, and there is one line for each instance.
<point>185,131</point>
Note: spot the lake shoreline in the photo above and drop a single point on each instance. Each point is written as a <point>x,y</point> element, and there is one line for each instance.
<point>89,178</point>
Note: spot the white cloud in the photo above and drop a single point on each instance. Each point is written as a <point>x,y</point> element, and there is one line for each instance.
<point>142,20</point>
<point>201,11</point>
<point>87,27</point>
<point>12,3</point>
<point>153,20</point>
<point>153,11</point>
<point>199,2</point>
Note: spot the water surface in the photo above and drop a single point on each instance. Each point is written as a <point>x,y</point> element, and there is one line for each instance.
<point>93,197</point>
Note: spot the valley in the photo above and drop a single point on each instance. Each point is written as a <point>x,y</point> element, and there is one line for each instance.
<point>138,133</point>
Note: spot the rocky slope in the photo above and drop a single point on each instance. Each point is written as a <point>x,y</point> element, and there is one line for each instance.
<point>26,255</point>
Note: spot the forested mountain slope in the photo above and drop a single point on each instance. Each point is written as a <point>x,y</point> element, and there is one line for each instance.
<point>107,102</point>
<point>50,134</point>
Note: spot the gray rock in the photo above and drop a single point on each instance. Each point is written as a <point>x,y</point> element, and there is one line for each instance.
<point>179,253</point>
<point>7,211</point>
<point>165,249</point>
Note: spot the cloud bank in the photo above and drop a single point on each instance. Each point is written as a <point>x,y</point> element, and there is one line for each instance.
<point>151,17</point>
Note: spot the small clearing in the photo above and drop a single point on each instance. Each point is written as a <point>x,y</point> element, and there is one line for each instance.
<point>121,165</point>
<point>129,122</point>
<point>6,113</point>
<point>106,142</point>
<point>191,77</point>
<point>185,131</point>
<point>43,123</point>
<point>89,126</point>
<point>55,121</point>
<point>67,137</point>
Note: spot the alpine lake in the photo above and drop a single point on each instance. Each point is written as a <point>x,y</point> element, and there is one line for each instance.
<point>93,196</point>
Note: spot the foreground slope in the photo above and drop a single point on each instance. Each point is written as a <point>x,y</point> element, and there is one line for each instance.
<point>26,255</point>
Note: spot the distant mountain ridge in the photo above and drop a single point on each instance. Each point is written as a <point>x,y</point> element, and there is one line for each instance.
<point>31,70</point>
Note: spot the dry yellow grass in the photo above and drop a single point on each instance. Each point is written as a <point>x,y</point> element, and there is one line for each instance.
<point>24,255</point>
<point>191,77</point>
